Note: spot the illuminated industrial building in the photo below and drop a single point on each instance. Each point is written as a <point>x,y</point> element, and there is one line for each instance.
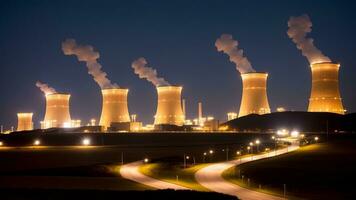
<point>169,107</point>
<point>254,94</point>
<point>24,121</point>
<point>325,94</point>
<point>115,107</point>
<point>231,116</point>
<point>57,111</point>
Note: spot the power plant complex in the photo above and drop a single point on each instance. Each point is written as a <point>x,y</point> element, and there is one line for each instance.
<point>254,94</point>
<point>325,94</point>
<point>171,109</point>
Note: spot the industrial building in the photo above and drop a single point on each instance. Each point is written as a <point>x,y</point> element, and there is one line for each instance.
<point>24,121</point>
<point>254,94</point>
<point>325,94</point>
<point>57,111</point>
<point>115,107</point>
<point>169,106</point>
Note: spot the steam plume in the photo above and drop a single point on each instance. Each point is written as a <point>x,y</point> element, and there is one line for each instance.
<point>227,45</point>
<point>45,88</point>
<point>299,27</point>
<point>143,71</point>
<point>87,54</point>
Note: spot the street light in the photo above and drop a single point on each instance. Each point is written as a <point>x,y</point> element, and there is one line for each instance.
<point>248,149</point>
<point>316,139</point>
<point>258,144</point>
<point>1,143</point>
<point>86,141</point>
<point>295,134</point>
<point>273,137</point>
<point>37,142</point>
<point>211,151</point>
<point>238,152</point>
<point>145,160</point>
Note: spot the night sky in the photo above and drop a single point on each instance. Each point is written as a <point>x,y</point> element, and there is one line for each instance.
<point>177,38</point>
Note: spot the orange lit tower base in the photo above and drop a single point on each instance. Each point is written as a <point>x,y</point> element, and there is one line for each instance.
<point>169,107</point>
<point>325,94</point>
<point>24,121</point>
<point>115,107</point>
<point>57,111</point>
<point>254,94</point>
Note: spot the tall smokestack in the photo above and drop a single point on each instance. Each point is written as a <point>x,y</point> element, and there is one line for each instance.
<point>254,94</point>
<point>200,112</point>
<point>183,106</point>
<point>115,107</point>
<point>24,121</point>
<point>169,107</point>
<point>57,111</point>
<point>325,94</point>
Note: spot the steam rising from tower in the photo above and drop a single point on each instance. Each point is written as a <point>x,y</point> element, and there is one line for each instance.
<point>114,107</point>
<point>254,94</point>
<point>87,54</point>
<point>229,46</point>
<point>299,27</point>
<point>169,108</point>
<point>45,88</point>
<point>143,71</point>
<point>325,95</point>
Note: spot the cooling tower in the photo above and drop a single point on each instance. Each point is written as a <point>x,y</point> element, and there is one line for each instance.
<point>114,107</point>
<point>57,111</point>
<point>169,107</point>
<point>254,94</point>
<point>325,95</point>
<point>24,121</point>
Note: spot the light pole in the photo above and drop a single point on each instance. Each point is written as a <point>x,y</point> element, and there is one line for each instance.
<point>258,144</point>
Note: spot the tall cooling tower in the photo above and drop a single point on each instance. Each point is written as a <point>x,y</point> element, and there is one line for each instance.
<point>115,107</point>
<point>57,110</point>
<point>325,95</point>
<point>24,121</point>
<point>254,94</point>
<point>169,107</point>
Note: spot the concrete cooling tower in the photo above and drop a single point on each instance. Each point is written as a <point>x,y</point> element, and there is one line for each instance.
<point>57,111</point>
<point>169,107</point>
<point>254,94</point>
<point>24,121</point>
<point>115,107</point>
<point>325,95</point>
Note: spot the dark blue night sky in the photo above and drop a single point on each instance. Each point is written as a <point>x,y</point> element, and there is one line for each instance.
<point>177,38</point>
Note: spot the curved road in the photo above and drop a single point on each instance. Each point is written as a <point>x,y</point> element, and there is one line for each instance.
<point>211,177</point>
<point>131,171</point>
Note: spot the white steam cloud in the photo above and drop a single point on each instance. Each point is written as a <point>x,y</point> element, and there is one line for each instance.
<point>45,88</point>
<point>143,71</point>
<point>228,45</point>
<point>87,54</point>
<point>299,27</point>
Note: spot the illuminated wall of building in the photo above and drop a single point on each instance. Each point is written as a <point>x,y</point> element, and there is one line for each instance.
<point>24,121</point>
<point>325,94</point>
<point>57,111</point>
<point>254,94</point>
<point>115,107</point>
<point>169,107</point>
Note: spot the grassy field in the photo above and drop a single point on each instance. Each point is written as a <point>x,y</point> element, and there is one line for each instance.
<point>318,171</point>
<point>168,172</point>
